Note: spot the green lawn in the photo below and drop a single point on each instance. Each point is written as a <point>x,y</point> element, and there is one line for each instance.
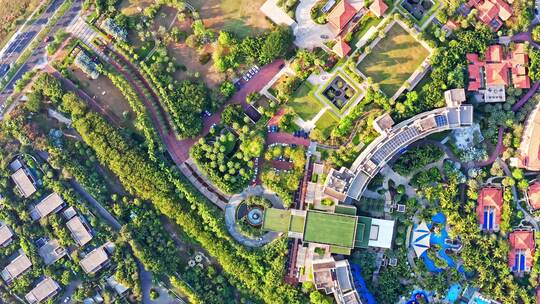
<point>297,224</point>
<point>326,122</point>
<point>304,103</point>
<point>393,60</point>
<point>330,228</point>
<point>276,220</point>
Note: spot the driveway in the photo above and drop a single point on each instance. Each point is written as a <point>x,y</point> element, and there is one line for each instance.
<point>308,33</point>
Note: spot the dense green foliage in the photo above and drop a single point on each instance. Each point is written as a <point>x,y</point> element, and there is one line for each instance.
<point>186,103</point>
<point>485,254</point>
<point>416,158</point>
<point>230,52</point>
<point>284,182</point>
<point>258,271</point>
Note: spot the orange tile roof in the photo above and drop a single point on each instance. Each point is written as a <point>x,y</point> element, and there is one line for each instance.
<point>498,68</point>
<point>521,241</point>
<point>505,10</point>
<point>490,197</point>
<point>474,78</point>
<point>452,24</point>
<point>378,7</point>
<point>494,53</point>
<point>341,15</point>
<point>492,12</point>
<point>534,195</point>
<point>497,74</point>
<point>341,48</point>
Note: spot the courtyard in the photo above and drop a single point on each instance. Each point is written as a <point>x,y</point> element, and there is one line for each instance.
<point>393,59</point>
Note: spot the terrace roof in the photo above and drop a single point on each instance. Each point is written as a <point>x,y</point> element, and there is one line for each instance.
<point>42,291</point>
<point>16,267</point>
<point>48,205</point>
<point>23,182</point>
<point>94,260</point>
<point>381,233</point>
<point>52,252</point>
<point>5,234</point>
<point>78,230</point>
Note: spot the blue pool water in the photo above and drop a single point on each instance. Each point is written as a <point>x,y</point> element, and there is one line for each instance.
<point>360,285</point>
<point>418,293</point>
<point>439,239</point>
<point>453,293</point>
<point>480,301</point>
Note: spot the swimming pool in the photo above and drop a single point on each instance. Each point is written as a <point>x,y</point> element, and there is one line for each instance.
<point>439,239</point>
<point>453,293</point>
<point>480,301</point>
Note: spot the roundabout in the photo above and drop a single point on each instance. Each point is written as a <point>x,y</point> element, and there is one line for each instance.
<point>254,215</point>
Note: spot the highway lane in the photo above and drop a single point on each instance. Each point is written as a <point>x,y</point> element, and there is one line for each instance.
<point>39,55</point>
<point>22,39</point>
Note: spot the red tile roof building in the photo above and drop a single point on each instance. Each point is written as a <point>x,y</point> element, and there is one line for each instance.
<point>378,7</point>
<point>498,69</point>
<point>534,195</point>
<point>492,12</point>
<point>522,248</point>
<point>488,211</point>
<point>340,16</point>
<point>341,48</point>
